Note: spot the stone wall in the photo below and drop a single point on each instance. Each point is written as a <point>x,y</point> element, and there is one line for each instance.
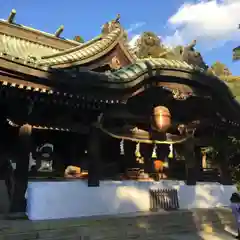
<point>139,226</point>
<point>113,198</point>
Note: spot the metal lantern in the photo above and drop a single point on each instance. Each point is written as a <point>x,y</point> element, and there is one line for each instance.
<point>45,162</point>
<point>161,118</point>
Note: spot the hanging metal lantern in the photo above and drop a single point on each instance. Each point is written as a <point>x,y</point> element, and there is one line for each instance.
<point>161,119</point>
<point>45,162</point>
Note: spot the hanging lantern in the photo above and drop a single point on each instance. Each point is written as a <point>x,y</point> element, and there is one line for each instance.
<point>122,147</point>
<point>161,119</point>
<point>154,152</point>
<point>137,151</point>
<point>170,155</point>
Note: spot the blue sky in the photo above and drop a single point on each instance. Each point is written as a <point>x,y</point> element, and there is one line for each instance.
<point>173,21</point>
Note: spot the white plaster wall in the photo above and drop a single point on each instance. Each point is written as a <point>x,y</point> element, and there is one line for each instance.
<point>52,200</point>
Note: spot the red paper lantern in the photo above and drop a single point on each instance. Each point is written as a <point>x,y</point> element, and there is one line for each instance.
<point>161,118</point>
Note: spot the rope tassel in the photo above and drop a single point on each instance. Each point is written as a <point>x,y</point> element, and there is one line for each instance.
<point>137,151</point>
<point>154,152</point>
<point>170,155</point>
<point>122,147</point>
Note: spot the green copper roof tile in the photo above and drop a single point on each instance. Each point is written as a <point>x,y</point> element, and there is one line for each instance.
<point>122,74</point>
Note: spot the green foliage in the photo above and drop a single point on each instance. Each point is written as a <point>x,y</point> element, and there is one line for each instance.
<point>236,53</point>
<point>220,69</point>
<point>233,153</point>
<point>234,86</point>
<point>149,45</point>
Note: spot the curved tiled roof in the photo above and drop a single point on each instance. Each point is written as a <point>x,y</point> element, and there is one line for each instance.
<point>23,49</point>
<point>86,52</point>
<point>49,56</point>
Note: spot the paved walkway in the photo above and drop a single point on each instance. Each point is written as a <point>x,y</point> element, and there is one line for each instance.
<point>201,236</point>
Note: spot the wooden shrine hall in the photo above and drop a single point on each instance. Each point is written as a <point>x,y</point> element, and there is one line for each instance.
<point>96,111</point>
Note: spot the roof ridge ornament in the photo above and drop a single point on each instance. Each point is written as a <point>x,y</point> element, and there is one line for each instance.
<point>12,16</point>
<point>117,18</point>
<point>111,25</point>
<point>59,31</point>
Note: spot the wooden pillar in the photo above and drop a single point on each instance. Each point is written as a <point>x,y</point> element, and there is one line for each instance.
<point>221,145</point>
<point>191,163</point>
<point>18,201</point>
<point>199,164</point>
<point>94,157</point>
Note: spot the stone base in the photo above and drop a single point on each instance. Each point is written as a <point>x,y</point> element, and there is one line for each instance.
<point>69,199</point>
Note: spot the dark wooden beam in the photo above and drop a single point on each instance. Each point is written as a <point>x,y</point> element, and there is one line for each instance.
<point>19,67</point>
<point>94,157</point>
<point>221,146</point>
<point>187,149</point>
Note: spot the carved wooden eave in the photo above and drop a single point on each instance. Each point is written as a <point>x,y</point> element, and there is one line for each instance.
<point>117,87</point>
<point>72,128</point>
<point>132,78</point>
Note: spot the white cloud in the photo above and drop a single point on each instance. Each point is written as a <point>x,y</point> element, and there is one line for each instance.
<point>212,23</point>
<point>135,26</point>
<point>133,41</point>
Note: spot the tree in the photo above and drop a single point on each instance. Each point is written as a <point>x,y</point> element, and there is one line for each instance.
<point>233,153</point>
<point>220,69</point>
<point>149,45</point>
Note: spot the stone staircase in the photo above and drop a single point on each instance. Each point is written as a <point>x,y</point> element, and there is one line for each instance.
<point>140,226</point>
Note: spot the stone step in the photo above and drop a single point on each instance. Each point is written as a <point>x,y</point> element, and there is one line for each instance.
<point>134,226</point>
